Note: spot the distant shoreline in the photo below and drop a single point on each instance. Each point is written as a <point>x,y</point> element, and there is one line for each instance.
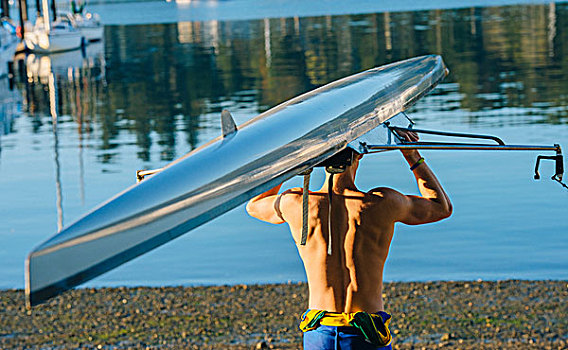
<point>466,315</point>
<point>153,12</point>
<point>120,12</point>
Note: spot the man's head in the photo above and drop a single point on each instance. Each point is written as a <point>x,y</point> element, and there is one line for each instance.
<point>338,163</point>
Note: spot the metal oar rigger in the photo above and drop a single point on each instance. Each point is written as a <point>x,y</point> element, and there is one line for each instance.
<point>385,137</point>
<point>394,141</point>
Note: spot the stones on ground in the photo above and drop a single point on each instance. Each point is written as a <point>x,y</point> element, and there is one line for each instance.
<point>448,315</point>
<point>261,345</point>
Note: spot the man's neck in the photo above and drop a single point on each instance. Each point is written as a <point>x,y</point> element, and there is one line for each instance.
<point>341,182</point>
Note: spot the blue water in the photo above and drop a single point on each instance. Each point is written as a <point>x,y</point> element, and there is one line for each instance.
<point>151,92</point>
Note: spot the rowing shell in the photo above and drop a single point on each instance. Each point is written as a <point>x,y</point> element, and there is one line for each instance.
<point>227,171</point>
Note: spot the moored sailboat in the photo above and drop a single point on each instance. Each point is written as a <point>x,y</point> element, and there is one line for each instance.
<point>89,24</point>
<point>50,37</point>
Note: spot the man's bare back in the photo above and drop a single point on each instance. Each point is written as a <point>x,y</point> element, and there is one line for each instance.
<point>350,279</point>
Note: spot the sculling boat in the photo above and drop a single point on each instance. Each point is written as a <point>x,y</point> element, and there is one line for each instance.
<point>361,111</point>
<point>227,171</point>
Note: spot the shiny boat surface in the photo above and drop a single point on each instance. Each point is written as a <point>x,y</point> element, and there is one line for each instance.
<point>227,171</point>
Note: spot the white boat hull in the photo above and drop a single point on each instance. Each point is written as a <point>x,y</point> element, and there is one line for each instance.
<point>45,43</point>
<point>224,173</point>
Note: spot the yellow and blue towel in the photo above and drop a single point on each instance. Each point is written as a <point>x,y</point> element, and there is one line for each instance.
<point>373,326</point>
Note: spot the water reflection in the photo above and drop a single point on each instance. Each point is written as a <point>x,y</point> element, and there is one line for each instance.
<point>69,84</point>
<point>51,91</point>
<point>172,78</point>
<point>150,93</point>
<point>78,80</point>
<point>10,107</point>
<point>165,83</point>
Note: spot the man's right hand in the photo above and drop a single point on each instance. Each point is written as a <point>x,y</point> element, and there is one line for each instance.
<point>409,136</point>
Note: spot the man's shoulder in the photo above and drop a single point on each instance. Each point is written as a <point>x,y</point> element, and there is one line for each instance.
<point>386,203</point>
<point>294,191</point>
<point>291,195</point>
<point>384,192</point>
<point>294,196</point>
<point>384,195</point>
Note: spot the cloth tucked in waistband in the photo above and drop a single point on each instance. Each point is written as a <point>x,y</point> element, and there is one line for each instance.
<point>374,327</point>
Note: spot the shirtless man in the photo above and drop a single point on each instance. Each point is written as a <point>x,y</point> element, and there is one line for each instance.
<point>345,288</point>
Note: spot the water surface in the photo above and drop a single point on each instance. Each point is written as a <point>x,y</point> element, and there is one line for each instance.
<point>79,125</point>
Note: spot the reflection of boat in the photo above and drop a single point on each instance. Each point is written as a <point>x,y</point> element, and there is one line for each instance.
<point>10,106</point>
<point>89,24</point>
<point>95,50</point>
<point>51,89</point>
<point>40,66</point>
<point>77,74</point>
<point>8,43</point>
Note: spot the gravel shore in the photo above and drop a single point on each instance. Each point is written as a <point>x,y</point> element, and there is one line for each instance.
<point>431,315</point>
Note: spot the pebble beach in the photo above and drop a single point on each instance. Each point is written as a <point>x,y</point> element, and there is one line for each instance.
<point>426,315</point>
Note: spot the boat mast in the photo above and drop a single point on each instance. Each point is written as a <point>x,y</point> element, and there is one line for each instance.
<point>23,10</point>
<point>5,8</point>
<point>45,12</point>
<point>53,9</point>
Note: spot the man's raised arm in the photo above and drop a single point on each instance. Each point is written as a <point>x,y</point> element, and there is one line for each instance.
<point>434,204</point>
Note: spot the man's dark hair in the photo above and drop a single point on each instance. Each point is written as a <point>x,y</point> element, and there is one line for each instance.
<point>341,160</point>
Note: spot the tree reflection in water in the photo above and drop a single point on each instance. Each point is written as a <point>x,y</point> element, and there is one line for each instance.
<point>167,83</point>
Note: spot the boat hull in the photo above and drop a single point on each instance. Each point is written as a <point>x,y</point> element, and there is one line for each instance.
<point>47,43</point>
<point>224,173</point>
